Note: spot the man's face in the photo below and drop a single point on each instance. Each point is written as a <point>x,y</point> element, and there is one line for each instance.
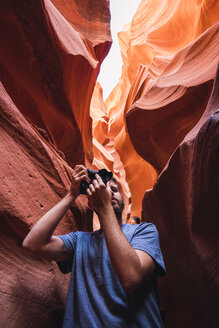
<point>117,200</point>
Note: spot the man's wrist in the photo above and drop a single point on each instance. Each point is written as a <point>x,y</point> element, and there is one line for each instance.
<point>106,210</point>
<point>70,198</point>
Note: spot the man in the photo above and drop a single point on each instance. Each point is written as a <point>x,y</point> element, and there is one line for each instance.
<point>134,220</point>
<point>114,269</point>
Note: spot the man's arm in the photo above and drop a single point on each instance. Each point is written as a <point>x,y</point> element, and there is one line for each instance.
<point>40,240</point>
<point>131,266</point>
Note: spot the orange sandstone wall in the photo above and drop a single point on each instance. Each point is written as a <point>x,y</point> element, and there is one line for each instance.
<point>170,54</point>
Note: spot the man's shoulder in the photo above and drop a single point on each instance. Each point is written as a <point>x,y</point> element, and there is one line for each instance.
<point>75,235</point>
<point>139,226</point>
<point>142,229</point>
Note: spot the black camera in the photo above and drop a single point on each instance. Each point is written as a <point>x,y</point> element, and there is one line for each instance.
<point>104,174</point>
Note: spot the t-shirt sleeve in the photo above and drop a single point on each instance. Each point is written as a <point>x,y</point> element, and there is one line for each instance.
<point>145,238</point>
<point>70,241</point>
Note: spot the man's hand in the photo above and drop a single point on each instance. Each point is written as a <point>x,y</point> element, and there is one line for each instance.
<point>79,174</point>
<point>99,195</point>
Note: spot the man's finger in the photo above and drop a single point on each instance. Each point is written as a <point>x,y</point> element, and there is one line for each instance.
<point>82,173</point>
<point>88,192</point>
<point>91,187</point>
<point>95,183</point>
<point>99,180</point>
<point>78,174</point>
<point>81,177</point>
<point>79,168</point>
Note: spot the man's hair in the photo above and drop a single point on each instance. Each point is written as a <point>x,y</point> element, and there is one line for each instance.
<point>114,180</point>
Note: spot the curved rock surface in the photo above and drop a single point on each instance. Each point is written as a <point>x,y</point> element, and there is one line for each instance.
<point>147,129</point>
<point>42,68</point>
<point>176,99</point>
<point>184,205</point>
<point>51,52</point>
<point>34,177</point>
<point>170,54</point>
<point>104,151</point>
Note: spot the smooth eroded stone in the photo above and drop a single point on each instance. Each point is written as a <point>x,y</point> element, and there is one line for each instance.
<point>184,206</point>
<point>49,62</point>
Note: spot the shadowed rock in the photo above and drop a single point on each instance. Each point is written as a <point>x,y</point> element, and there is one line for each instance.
<point>49,68</point>
<point>184,206</point>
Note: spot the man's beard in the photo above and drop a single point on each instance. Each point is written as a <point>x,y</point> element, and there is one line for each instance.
<point>118,211</point>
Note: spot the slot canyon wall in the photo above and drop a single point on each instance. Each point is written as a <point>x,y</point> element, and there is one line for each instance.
<point>157,132</point>
<point>51,52</point>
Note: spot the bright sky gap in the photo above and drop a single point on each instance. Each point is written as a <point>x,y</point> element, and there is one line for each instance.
<point>122,12</point>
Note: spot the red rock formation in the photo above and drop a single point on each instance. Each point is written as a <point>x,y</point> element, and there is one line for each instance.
<point>50,64</point>
<point>184,206</point>
<point>177,100</point>
<point>33,178</point>
<point>50,56</point>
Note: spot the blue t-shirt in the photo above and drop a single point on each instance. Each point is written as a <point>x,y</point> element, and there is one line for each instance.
<point>96,298</point>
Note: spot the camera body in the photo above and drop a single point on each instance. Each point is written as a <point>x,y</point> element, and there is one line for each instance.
<point>103,173</point>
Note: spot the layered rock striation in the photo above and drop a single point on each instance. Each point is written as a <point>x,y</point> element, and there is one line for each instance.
<point>170,55</point>
<point>34,177</point>
<point>48,64</point>
<point>51,52</point>
<point>184,206</point>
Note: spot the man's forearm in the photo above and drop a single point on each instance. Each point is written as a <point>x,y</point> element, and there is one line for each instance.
<point>124,258</point>
<point>42,231</point>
